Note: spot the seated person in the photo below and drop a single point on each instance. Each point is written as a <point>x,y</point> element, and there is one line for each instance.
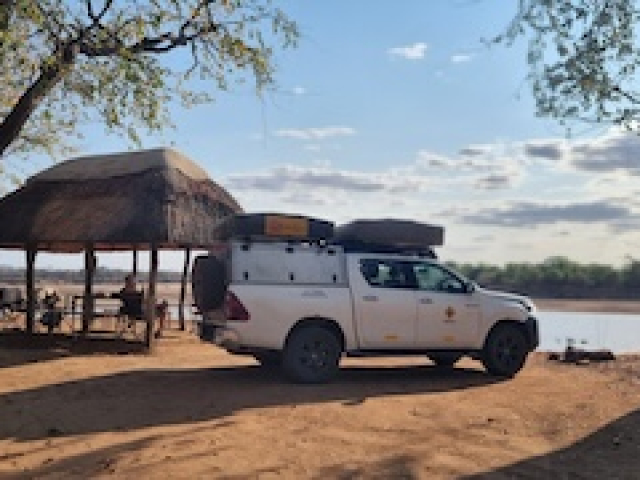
<point>131,299</point>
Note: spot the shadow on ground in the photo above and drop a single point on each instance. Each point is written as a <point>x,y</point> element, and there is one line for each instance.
<point>19,348</point>
<point>611,452</point>
<point>142,398</point>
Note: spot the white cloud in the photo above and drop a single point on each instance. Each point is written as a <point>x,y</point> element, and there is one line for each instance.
<point>306,198</point>
<point>614,154</point>
<point>530,214</point>
<point>476,150</point>
<point>292,177</point>
<point>409,52</point>
<point>616,151</point>
<point>319,133</point>
<point>496,181</point>
<point>461,58</point>
<point>298,90</point>
<point>485,167</point>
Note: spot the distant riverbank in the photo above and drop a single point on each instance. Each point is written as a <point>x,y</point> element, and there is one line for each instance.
<point>586,305</point>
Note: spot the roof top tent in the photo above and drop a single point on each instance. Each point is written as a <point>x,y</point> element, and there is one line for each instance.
<point>139,200</point>
<point>390,236</point>
<point>380,236</point>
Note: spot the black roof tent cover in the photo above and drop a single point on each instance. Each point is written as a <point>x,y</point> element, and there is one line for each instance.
<point>390,236</point>
<point>395,232</point>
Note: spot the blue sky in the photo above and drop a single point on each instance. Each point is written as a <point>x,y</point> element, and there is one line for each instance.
<point>399,110</point>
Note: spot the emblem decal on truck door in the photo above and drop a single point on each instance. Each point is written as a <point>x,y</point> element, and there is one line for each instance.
<point>450,312</point>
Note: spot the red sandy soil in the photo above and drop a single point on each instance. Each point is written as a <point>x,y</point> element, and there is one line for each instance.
<point>101,409</point>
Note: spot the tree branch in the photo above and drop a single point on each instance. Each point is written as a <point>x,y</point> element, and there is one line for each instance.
<point>14,122</point>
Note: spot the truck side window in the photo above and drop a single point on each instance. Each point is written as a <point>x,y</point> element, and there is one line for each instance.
<point>370,271</point>
<point>436,279</point>
<point>388,273</point>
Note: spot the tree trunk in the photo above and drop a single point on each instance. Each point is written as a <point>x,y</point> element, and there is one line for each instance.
<point>87,300</point>
<point>150,313</point>
<point>31,290</point>
<point>183,287</point>
<point>49,77</point>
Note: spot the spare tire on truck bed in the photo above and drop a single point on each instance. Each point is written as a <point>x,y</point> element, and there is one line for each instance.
<point>390,233</point>
<point>209,282</point>
<point>275,226</point>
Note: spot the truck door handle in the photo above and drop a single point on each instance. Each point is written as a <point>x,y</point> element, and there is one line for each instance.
<point>370,298</point>
<point>426,301</point>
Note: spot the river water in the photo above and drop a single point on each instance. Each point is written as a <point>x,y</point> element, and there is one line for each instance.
<point>617,332</point>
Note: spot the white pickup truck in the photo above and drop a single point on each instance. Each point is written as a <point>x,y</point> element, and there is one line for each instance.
<point>302,306</point>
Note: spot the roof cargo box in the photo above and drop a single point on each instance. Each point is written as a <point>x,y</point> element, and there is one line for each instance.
<point>276,226</point>
<point>393,233</point>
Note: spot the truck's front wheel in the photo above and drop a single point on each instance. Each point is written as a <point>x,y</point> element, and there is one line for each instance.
<point>505,351</point>
<point>311,355</point>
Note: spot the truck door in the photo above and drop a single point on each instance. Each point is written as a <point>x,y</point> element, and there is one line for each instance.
<point>448,316</point>
<point>385,308</point>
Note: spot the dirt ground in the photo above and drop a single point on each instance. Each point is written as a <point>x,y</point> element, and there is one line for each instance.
<point>101,409</point>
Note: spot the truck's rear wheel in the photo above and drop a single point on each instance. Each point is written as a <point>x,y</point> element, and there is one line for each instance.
<point>311,355</point>
<point>505,351</point>
<point>444,360</point>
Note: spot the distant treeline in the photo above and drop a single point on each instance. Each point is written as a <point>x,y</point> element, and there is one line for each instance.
<point>558,277</point>
<point>11,275</point>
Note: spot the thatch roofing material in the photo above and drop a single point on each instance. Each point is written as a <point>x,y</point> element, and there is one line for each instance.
<point>102,167</point>
<point>116,202</point>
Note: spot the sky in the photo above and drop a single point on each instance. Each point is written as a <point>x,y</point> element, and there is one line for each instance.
<point>399,110</point>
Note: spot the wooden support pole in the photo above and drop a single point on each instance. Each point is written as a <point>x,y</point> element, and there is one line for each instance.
<point>150,312</point>
<point>134,268</point>
<point>183,287</point>
<point>87,299</point>
<point>31,290</point>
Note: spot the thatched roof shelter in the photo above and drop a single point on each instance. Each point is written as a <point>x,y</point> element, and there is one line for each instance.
<point>122,201</point>
<point>141,200</point>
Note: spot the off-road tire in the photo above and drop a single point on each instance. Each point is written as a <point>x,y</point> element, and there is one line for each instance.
<point>505,351</point>
<point>311,355</point>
